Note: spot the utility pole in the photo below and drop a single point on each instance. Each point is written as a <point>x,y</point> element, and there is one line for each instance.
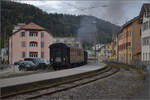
<point>95,47</point>
<point>94,22</point>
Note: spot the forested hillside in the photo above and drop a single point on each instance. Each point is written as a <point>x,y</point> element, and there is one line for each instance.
<point>57,24</point>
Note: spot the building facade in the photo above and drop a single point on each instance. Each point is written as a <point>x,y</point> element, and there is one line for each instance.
<point>29,40</point>
<point>105,52</point>
<point>112,48</point>
<point>116,53</point>
<point>145,26</point>
<point>129,42</point>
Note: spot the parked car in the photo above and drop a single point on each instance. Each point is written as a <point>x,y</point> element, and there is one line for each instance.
<point>18,62</point>
<point>47,62</point>
<point>27,66</point>
<point>38,62</point>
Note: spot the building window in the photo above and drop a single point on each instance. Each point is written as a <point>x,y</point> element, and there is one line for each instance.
<point>146,41</point>
<point>33,44</point>
<point>33,54</point>
<point>42,44</point>
<point>22,34</point>
<point>42,34</point>
<point>146,14</point>
<point>42,54</point>
<point>145,26</point>
<point>23,54</point>
<point>23,44</point>
<point>33,34</point>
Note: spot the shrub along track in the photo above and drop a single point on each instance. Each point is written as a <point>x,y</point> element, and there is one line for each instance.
<point>67,84</point>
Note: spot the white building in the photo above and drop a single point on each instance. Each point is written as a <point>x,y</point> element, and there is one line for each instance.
<point>67,40</point>
<point>98,46</point>
<point>105,53</point>
<point>145,36</point>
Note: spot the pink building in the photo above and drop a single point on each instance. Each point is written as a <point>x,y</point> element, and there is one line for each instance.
<point>29,40</point>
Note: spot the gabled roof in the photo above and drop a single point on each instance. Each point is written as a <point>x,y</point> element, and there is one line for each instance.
<point>145,8</point>
<point>32,26</point>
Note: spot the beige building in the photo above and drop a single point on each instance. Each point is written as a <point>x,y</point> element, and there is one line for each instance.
<point>129,42</point>
<point>29,40</point>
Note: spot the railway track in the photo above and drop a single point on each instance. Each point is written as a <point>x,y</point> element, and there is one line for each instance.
<point>69,84</point>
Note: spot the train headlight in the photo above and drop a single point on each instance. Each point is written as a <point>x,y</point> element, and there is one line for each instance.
<point>64,59</point>
<point>51,59</point>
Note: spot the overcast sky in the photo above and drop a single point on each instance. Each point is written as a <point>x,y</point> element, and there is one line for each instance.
<point>115,11</point>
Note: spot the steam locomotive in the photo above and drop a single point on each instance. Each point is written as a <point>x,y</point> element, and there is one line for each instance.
<point>64,56</point>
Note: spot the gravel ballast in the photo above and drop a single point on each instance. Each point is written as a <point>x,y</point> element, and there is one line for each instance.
<point>124,85</point>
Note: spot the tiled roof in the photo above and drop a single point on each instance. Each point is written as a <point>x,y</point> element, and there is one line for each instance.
<point>32,26</point>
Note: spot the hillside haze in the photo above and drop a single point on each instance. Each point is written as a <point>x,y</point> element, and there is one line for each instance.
<point>60,25</point>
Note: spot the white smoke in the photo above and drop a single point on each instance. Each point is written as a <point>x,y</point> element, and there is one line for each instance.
<point>86,34</point>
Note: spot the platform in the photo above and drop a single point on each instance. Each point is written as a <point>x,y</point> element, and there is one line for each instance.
<point>22,80</point>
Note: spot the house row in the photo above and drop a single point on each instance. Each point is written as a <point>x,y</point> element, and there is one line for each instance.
<point>132,44</point>
<point>32,40</point>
